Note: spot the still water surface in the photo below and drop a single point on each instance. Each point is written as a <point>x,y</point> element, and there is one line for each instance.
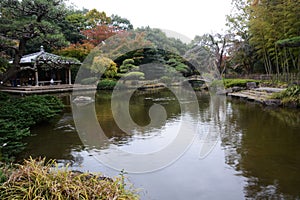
<point>251,151</point>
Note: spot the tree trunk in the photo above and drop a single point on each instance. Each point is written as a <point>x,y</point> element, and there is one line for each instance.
<point>220,62</point>
<point>15,67</point>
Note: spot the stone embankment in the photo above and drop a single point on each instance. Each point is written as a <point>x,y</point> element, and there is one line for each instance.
<point>262,95</point>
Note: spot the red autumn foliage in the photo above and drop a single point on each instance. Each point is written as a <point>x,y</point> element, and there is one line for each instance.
<point>100,33</point>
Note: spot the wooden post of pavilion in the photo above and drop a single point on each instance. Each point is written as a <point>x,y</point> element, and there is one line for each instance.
<point>36,74</point>
<point>69,75</point>
<point>34,60</point>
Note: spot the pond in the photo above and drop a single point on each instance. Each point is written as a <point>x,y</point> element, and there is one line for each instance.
<point>238,150</point>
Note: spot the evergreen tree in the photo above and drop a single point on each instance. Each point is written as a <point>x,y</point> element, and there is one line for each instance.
<point>26,20</point>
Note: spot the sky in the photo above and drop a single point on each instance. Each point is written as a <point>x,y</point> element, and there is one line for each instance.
<point>184,19</point>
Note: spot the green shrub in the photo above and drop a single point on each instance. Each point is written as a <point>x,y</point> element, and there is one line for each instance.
<point>36,179</point>
<point>134,76</point>
<point>18,115</point>
<point>228,83</point>
<point>4,97</point>
<point>293,91</point>
<point>106,84</point>
<point>289,96</point>
<point>89,81</point>
<point>166,79</point>
<point>238,82</point>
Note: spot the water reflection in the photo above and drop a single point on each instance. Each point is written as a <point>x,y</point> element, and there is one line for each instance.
<point>57,139</point>
<point>163,138</point>
<point>262,144</point>
<point>139,107</point>
<point>241,150</point>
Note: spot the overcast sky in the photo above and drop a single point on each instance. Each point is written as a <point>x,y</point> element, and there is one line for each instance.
<point>186,17</point>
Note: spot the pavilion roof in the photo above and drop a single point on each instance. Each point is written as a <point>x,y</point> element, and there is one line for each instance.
<point>43,57</point>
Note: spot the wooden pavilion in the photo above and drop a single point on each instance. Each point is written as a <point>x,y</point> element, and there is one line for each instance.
<point>42,68</point>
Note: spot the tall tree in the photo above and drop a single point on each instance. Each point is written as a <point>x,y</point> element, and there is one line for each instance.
<point>161,41</point>
<point>95,18</point>
<point>86,29</point>
<point>73,24</point>
<point>121,23</point>
<point>241,52</point>
<point>26,20</point>
<point>272,21</point>
<point>216,47</point>
<point>99,33</point>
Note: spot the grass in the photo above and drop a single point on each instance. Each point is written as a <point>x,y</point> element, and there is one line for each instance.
<point>37,179</point>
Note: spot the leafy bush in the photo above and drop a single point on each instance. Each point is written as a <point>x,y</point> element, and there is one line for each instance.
<point>182,68</point>
<point>217,85</point>
<point>36,179</point>
<point>4,97</point>
<point>89,81</point>
<point>293,91</point>
<point>18,115</point>
<point>128,65</point>
<point>106,84</point>
<point>289,96</point>
<point>238,82</point>
<point>166,79</point>
<point>134,76</point>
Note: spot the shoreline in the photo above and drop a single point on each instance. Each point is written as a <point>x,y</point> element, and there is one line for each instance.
<point>262,95</point>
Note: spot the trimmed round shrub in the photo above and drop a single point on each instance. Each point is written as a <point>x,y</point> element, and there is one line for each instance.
<point>134,76</point>
<point>106,84</point>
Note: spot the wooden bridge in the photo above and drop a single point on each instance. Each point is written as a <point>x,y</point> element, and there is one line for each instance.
<point>194,81</point>
<point>196,78</point>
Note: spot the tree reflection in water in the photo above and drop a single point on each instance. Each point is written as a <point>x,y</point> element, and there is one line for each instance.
<point>262,144</point>
<point>259,143</point>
